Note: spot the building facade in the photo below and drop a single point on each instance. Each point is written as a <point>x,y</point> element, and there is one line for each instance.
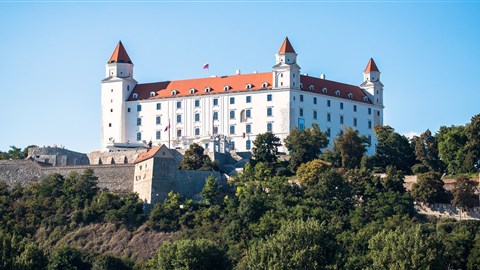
<point>224,113</point>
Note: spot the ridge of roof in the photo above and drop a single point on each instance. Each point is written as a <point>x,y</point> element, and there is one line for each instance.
<point>146,155</point>
<point>119,55</point>
<point>286,47</point>
<point>371,66</point>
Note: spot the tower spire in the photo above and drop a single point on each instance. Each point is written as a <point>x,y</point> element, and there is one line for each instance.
<point>371,66</point>
<point>119,55</point>
<point>286,47</point>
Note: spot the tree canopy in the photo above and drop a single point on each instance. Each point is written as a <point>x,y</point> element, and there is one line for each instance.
<point>265,148</point>
<point>196,159</point>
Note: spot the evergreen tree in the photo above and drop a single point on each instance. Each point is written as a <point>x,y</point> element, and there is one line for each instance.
<point>351,147</point>
<point>195,159</point>
<point>265,148</point>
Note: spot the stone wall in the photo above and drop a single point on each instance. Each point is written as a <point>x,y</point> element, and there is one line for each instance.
<point>57,156</point>
<point>122,157</point>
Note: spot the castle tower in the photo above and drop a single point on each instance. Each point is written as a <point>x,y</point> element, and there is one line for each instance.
<point>116,89</point>
<point>286,72</point>
<point>372,84</point>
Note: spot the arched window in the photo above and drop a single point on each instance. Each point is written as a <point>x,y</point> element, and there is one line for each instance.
<point>208,89</point>
<point>152,94</point>
<point>192,91</point>
<point>248,86</point>
<point>350,95</point>
<point>337,93</point>
<point>264,85</point>
<point>226,88</point>
<point>135,96</point>
<point>311,87</point>
<point>324,90</point>
<point>365,98</point>
<point>174,92</point>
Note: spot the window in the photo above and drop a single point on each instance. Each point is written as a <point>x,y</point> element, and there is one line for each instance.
<point>179,118</point>
<point>341,105</point>
<point>157,120</point>
<point>249,99</point>
<point>301,124</point>
<point>159,106</point>
<point>378,113</point>
<point>197,117</point>
<point>197,103</point>
<point>269,97</point>
<point>264,85</point>
<point>269,111</point>
<point>369,110</point>
<point>337,93</point>
<point>111,110</point>
<point>341,119</point>
<point>139,108</point>
<point>311,87</point>
<point>179,104</point>
<point>128,88</point>
<point>248,144</point>
<point>135,96</point>
<point>354,108</point>
<point>329,117</point>
<point>215,115</point>
<point>208,89</point>
<point>314,100</point>
<point>248,128</point>
<point>232,100</point>
<point>197,131</point>
<point>152,94</point>
<point>328,132</point>
<point>324,90</point>
<point>369,139</point>
<point>269,127</point>
<point>139,136</point>
<point>350,95</point>
<point>315,115</point>
<point>215,130</point>
<point>232,145</point>
<point>301,111</point>
<point>354,122</point>
<point>174,92</point>
<point>215,102</point>
<point>232,114</point>
<point>139,121</point>
<point>248,86</point>
<point>192,91</point>
<point>248,113</point>
<point>128,109</point>
<point>157,135</point>
<point>301,98</point>
<point>226,88</point>
<point>109,124</point>
<point>179,133</point>
<point>232,129</point>
<point>328,103</point>
<point>369,124</point>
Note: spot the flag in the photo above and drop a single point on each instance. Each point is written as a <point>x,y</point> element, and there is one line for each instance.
<point>206,66</point>
<point>167,128</point>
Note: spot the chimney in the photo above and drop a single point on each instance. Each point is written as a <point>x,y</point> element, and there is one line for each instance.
<point>322,76</point>
<point>238,72</point>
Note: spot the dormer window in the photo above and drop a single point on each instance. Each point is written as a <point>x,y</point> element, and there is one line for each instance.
<point>192,91</point>
<point>248,86</point>
<point>174,92</point>
<point>301,85</point>
<point>324,90</point>
<point>208,89</point>
<point>264,85</point>
<point>350,95</point>
<point>337,93</point>
<point>152,94</point>
<point>311,87</point>
<point>226,88</point>
<point>135,96</point>
<point>365,98</point>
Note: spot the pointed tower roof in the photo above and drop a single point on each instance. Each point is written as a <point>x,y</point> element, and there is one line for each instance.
<point>119,55</point>
<point>286,47</point>
<point>371,66</point>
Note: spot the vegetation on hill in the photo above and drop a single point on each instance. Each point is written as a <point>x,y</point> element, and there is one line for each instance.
<point>337,215</point>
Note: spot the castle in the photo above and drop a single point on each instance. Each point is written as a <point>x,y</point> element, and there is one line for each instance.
<point>225,113</point>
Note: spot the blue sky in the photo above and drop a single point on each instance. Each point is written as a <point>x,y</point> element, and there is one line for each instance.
<point>53,56</point>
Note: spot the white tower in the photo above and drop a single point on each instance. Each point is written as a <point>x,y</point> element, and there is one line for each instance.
<point>116,89</point>
<point>371,83</point>
<point>286,72</point>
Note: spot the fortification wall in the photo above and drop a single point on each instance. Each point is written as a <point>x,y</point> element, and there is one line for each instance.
<point>20,172</point>
<point>122,157</point>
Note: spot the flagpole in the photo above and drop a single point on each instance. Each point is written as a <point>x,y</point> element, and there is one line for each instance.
<point>169,133</point>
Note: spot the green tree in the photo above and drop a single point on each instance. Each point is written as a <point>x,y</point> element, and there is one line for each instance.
<point>473,144</point>
<point>429,189</point>
<point>426,152</point>
<point>393,149</point>
<point>464,193</point>
<point>108,262</point>
<point>308,173</point>
<point>297,245</point>
<point>351,147</point>
<point>473,262</point>
<point>404,249</point>
<point>196,254</point>
<point>67,258</point>
<point>195,159</point>
<point>305,145</point>
<point>210,190</point>
<point>32,258</point>
<point>451,149</point>
<point>265,148</point>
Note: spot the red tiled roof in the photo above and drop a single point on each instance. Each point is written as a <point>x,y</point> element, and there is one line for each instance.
<point>119,55</point>
<point>146,155</point>
<point>286,47</point>
<point>332,87</point>
<point>236,83</point>
<point>371,66</point>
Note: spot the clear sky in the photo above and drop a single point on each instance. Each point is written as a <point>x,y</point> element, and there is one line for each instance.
<point>53,56</point>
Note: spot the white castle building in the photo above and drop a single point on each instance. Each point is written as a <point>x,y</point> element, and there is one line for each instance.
<point>224,113</point>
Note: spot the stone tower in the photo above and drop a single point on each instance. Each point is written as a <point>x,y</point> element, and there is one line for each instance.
<point>286,72</point>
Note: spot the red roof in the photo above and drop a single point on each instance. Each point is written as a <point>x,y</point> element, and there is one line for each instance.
<point>238,83</point>
<point>119,55</point>
<point>146,155</point>
<point>331,87</point>
<point>286,47</point>
<point>371,66</point>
